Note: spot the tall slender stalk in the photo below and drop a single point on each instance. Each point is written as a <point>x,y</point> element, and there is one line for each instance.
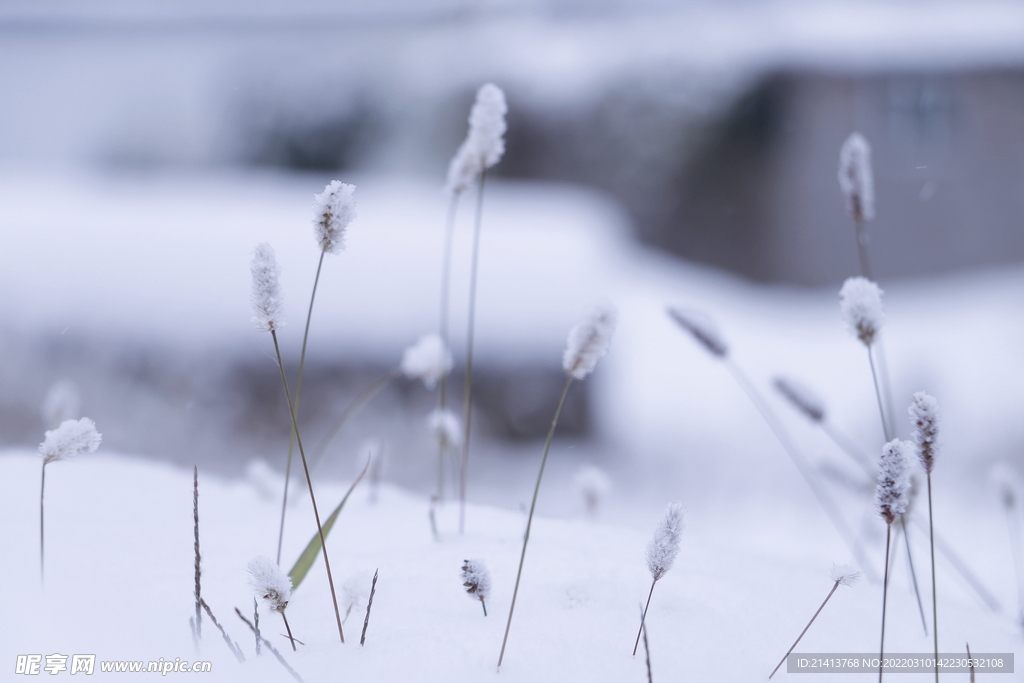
<point>42,491</point>
<point>885,596</point>
<point>198,568</point>
<point>467,393</point>
<point>887,429</point>
<point>298,393</point>
<point>643,617</point>
<point>799,637</point>
<point>935,607</point>
<point>443,327</point>
<point>529,519</point>
<point>309,482</point>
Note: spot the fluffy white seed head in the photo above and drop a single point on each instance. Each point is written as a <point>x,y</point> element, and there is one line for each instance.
<point>476,579</point>
<point>860,301</point>
<point>844,574</point>
<point>428,360</point>
<point>892,492</point>
<point>702,329</point>
<point>63,401</point>
<point>593,484</point>
<point>71,438</point>
<point>663,548</point>
<point>446,427</point>
<point>485,143</point>
<point>802,398</point>
<point>855,178</point>
<point>924,418</point>
<point>270,583</point>
<point>267,301</point>
<point>589,341</point>
<point>333,210</point>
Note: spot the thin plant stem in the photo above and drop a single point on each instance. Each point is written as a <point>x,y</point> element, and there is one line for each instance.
<point>643,617</point>
<point>886,429</point>
<point>369,605</point>
<point>799,637</point>
<point>862,239</point>
<point>484,605</point>
<point>970,661</point>
<point>647,649</point>
<point>913,573</point>
<point>270,647</point>
<point>309,482</point>
<point>235,649</point>
<point>443,327</point>
<point>198,568</point>
<point>42,491</point>
<point>529,519</point>
<point>298,392</point>
<point>361,399</point>
<point>256,622</point>
<point>935,607</point>
<point>467,390</point>
<point>1016,551</point>
<point>288,628</point>
<point>885,596</point>
<point>787,444</point>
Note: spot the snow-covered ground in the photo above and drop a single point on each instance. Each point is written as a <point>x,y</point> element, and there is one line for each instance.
<point>165,260</point>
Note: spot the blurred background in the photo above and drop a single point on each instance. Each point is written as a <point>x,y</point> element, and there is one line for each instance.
<point>657,152</point>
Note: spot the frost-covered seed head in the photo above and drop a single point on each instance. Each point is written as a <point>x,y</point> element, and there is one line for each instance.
<point>71,438</point>
<point>63,402</point>
<point>663,548</point>
<point>860,301</point>
<point>844,574</point>
<point>428,360</point>
<point>333,210</point>
<point>485,143</point>
<point>891,494</point>
<point>446,427</point>
<point>702,329</point>
<point>267,301</point>
<point>589,341</point>
<point>802,398</point>
<point>476,579</point>
<point>855,178</point>
<point>924,417</point>
<point>270,583</point>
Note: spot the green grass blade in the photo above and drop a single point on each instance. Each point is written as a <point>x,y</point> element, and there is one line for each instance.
<point>301,568</point>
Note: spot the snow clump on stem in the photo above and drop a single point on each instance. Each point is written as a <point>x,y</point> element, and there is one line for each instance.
<point>860,301</point>
<point>476,579</point>
<point>855,178</point>
<point>446,427</point>
<point>267,301</point>
<point>334,209</point>
<point>663,548</point>
<point>588,342</point>
<point>71,438</point>
<point>428,360</point>
<point>485,143</point>
<point>270,583</point>
<point>891,494</point>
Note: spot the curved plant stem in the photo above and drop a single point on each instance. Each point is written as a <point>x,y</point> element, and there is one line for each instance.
<point>529,519</point>
<point>467,392</point>
<point>309,482</point>
<point>298,392</point>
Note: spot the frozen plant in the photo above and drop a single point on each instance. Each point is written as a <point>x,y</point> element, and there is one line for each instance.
<point>924,419</point>
<point>427,360</point>
<point>860,301</point>
<point>843,575</point>
<point>70,439</point>
<point>593,484</point>
<point>484,144</point>
<point>63,401</point>
<point>702,329</point>
<point>273,586</point>
<point>477,581</point>
<point>661,554</point>
<point>587,343</point>
<point>446,427</point>
<point>891,499</point>
<point>855,178</point>
<point>269,305</point>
